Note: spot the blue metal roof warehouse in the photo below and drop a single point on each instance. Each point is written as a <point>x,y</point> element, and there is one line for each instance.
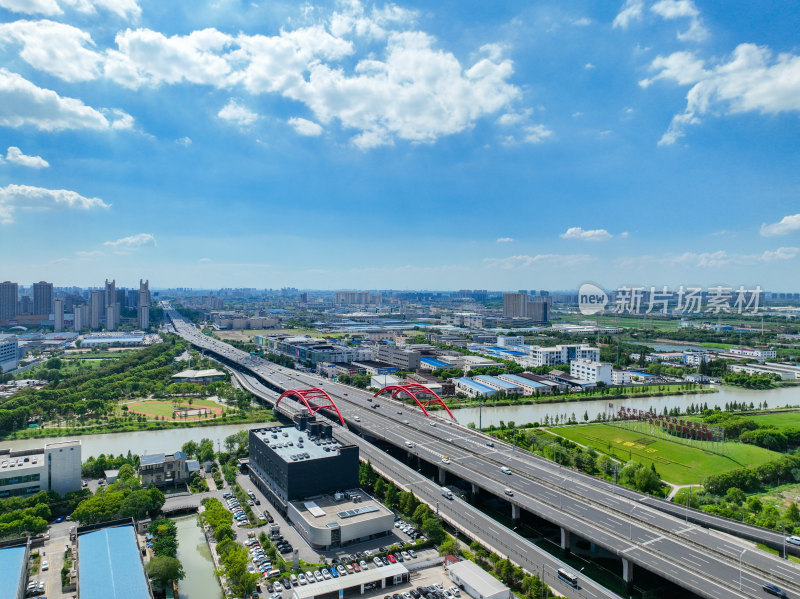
<point>109,565</point>
<point>12,571</point>
<point>522,381</point>
<point>476,385</point>
<point>434,362</point>
<point>493,380</point>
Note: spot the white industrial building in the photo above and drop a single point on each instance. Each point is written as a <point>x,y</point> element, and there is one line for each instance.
<point>786,372</point>
<point>340,519</point>
<point>590,370</point>
<point>562,354</point>
<point>9,353</point>
<point>476,582</point>
<point>758,354</point>
<point>620,377</point>
<point>472,388</point>
<point>25,472</point>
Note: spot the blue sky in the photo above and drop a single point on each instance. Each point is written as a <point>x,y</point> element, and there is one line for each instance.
<point>411,145</point>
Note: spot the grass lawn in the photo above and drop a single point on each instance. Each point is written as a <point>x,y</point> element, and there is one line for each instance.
<point>163,408</point>
<point>779,419</point>
<point>675,462</point>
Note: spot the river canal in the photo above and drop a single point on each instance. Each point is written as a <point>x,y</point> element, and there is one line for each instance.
<point>169,441</point>
<point>195,556</point>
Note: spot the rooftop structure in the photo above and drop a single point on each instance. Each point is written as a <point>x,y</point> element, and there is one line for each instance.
<point>110,566</point>
<point>340,519</point>
<point>56,467</point>
<point>432,363</point>
<point>166,469</point>
<point>384,577</point>
<point>473,388</point>
<point>199,376</point>
<point>477,583</point>
<point>13,565</point>
<point>498,384</point>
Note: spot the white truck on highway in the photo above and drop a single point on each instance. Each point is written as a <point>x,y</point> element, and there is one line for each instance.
<point>447,493</point>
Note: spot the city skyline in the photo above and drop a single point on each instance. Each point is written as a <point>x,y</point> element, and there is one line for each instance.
<point>400,146</point>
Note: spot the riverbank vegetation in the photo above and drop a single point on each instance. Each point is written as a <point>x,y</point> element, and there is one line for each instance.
<point>124,498</point>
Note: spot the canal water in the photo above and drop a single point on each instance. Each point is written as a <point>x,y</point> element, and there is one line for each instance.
<point>169,441</point>
<point>141,442</point>
<point>195,556</point>
<point>523,414</point>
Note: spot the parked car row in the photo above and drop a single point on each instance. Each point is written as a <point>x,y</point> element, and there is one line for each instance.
<point>408,529</point>
<point>392,558</point>
<point>35,588</point>
<point>261,563</point>
<point>436,591</point>
<point>239,516</point>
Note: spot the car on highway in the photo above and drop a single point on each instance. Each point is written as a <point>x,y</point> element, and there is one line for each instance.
<point>45,565</point>
<point>774,590</point>
<point>793,540</point>
<point>508,492</point>
<point>505,469</point>
<point>445,460</point>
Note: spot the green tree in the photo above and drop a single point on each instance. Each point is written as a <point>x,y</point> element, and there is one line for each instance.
<point>162,569</point>
<point>432,529</point>
<point>190,449</point>
<point>449,547</point>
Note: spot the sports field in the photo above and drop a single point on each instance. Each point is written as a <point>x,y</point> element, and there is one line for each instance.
<point>165,408</point>
<point>676,463</point>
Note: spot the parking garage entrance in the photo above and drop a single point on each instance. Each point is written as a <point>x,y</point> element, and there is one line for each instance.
<point>353,585</point>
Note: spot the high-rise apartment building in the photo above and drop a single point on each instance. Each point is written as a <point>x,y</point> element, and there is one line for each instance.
<point>58,315</point>
<point>520,305</point>
<point>143,309</point>
<point>80,317</point>
<point>42,298</point>
<point>96,302</point>
<point>9,293</point>
<point>110,298</point>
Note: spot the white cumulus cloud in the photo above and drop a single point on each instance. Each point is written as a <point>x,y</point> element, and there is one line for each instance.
<point>24,104</point>
<point>788,224</point>
<point>125,9</point>
<point>750,80</point>
<point>682,9</point>
<point>130,243</point>
<point>505,239</point>
<point>32,7</point>
<point>25,197</point>
<point>526,261</point>
<point>586,235</point>
<point>55,48</point>
<point>16,156</point>
<point>305,127</point>
<point>235,113</point>
<point>631,11</point>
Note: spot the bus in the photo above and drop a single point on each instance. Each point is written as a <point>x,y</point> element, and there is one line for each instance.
<point>568,577</point>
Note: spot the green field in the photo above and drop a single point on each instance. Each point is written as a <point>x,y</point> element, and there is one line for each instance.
<point>676,463</point>
<point>164,408</point>
<point>778,419</point>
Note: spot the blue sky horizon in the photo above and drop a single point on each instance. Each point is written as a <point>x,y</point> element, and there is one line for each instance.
<point>466,145</point>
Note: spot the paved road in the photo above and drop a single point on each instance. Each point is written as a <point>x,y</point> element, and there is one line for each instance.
<point>621,522</point>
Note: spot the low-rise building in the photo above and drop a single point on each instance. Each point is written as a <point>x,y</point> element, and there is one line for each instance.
<point>56,467</point>
<point>620,377</point>
<point>476,581</point>
<point>757,353</point>
<point>166,469</point>
<point>109,558</point>
<point>379,381</point>
<point>374,368</point>
<point>404,359</point>
<point>199,377</point>
<point>786,372</point>
<point>499,384</point>
<point>9,353</point>
<point>472,388</point>
<point>589,370</point>
<point>529,387</point>
<point>562,354</point>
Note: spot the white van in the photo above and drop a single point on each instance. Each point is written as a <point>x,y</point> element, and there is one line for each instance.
<point>447,493</point>
<point>505,469</point>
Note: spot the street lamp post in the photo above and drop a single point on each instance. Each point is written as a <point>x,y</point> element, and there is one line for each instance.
<point>783,530</point>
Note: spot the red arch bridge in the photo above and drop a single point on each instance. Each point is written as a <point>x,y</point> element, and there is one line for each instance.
<point>304,395</point>
<point>414,390</point>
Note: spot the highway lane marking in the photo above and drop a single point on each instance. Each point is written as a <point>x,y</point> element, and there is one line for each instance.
<point>659,538</point>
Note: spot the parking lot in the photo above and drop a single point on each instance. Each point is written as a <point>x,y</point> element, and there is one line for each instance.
<point>52,552</point>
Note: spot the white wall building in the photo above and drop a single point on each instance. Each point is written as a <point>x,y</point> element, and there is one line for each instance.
<point>57,468</point>
<point>563,354</point>
<point>758,354</point>
<point>476,582</point>
<point>589,370</point>
<point>9,353</point>
<point>620,377</point>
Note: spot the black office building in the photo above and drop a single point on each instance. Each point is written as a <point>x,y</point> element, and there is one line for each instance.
<point>305,460</point>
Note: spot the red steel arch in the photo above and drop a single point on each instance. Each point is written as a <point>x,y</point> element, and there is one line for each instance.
<point>413,390</point>
<point>315,393</point>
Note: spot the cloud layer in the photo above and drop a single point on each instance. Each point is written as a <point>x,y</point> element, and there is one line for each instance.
<point>25,197</point>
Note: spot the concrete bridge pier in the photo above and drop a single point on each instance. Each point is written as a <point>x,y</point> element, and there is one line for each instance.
<point>627,571</point>
<point>515,510</point>
<point>475,489</point>
<point>442,476</point>
<point>565,539</point>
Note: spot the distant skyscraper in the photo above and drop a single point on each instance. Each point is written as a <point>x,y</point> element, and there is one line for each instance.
<point>81,317</point>
<point>110,290</point>
<point>58,315</point>
<point>25,305</point>
<point>515,305</point>
<point>9,293</point>
<point>96,302</point>
<point>143,309</point>
<point>42,298</point>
